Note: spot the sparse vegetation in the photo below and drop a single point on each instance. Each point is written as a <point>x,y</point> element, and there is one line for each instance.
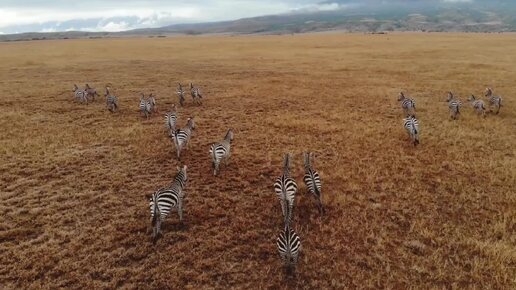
<point>74,178</point>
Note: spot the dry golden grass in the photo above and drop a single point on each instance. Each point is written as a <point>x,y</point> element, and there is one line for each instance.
<point>74,177</point>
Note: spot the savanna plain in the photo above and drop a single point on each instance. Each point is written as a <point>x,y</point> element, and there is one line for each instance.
<point>75,178</point>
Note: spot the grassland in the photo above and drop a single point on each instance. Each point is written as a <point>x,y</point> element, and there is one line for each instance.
<point>74,178</point>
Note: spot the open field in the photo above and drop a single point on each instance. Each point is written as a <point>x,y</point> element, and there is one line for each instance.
<point>74,178</point>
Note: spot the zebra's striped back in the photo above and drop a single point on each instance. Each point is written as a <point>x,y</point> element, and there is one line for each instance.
<point>411,125</point>
<point>164,200</point>
<point>408,105</point>
<point>289,246</point>
<point>151,104</point>
<point>312,180</point>
<point>196,94</point>
<point>170,120</point>
<point>494,101</point>
<point>221,151</point>
<point>285,188</point>
<point>91,92</point>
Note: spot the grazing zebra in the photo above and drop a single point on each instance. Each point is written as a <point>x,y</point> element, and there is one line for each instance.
<point>221,151</point>
<point>165,199</point>
<point>170,120</point>
<point>412,126</point>
<point>286,188</point>
<point>111,101</point>
<point>144,106</point>
<point>91,92</point>
<point>312,180</point>
<point>478,105</point>
<point>454,106</point>
<point>181,95</point>
<point>289,246</point>
<point>151,103</point>
<point>495,101</point>
<point>196,94</point>
<point>408,105</point>
<point>80,94</point>
<point>182,136</point>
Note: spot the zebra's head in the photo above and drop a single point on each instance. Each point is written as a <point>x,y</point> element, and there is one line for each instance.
<point>191,85</point>
<point>471,98</point>
<point>401,96</point>
<point>182,176</point>
<point>75,87</point>
<point>287,160</point>
<point>180,87</point>
<point>450,97</point>
<point>87,86</point>
<point>308,157</point>
<point>191,123</point>
<point>107,92</point>
<point>488,92</point>
<point>142,97</point>
<point>229,135</point>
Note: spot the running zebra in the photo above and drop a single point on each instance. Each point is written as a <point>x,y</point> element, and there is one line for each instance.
<point>182,136</point>
<point>312,180</point>
<point>454,106</point>
<point>80,94</point>
<point>286,188</point>
<point>91,92</point>
<point>478,105</point>
<point>412,126</point>
<point>111,101</point>
<point>165,199</point>
<point>408,105</point>
<point>151,103</point>
<point>221,151</point>
<point>145,106</point>
<point>170,120</point>
<point>495,101</point>
<point>196,94</point>
<point>181,94</point>
<point>289,246</point>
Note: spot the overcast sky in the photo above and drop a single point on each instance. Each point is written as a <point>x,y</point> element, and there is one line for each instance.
<point>18,16</point>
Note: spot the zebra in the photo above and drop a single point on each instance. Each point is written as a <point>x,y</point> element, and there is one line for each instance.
<point>144,106</point>
<point>478,105</point>
<point>170,120</point>
<point>196,94</point>
<point>111,101</point>
<point>495,101</point>
<point>454,106</point>
<point>181,94</point>
<point>182,137</point>
<point>91,92</point>
<point>80,94</point>
<point>412,127</point>
<point>408,105</point>
<point>285,188</point>
<point>289,246</point>
<point>165,199</point>
<point>221,151</point>
<point>312,180</point>
<point>151,103</point>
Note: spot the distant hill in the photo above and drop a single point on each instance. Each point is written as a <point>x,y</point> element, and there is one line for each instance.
<point>352,16</point>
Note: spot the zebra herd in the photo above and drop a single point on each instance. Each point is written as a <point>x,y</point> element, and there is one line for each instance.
<point>411,124</point>
<point>171,197</point>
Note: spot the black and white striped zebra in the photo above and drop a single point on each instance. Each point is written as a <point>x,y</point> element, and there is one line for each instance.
<point>182,137</point>
<point>408,105</point>
<point>411,125</point>
<point>289,246</point>
<point>221,151</point>
<point>196,94</point>
<point>164,200</point>
<point>312,180</point>
<point>181,95</point>
<point>111,101</point>
<point>91,92</point>
<point>285,188</point>
<point>80,94</point>
<point>454,106</point>
<point>478,105</point>
<point>145,106</point>
<point>494,101</point>
<point>170,120</point>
